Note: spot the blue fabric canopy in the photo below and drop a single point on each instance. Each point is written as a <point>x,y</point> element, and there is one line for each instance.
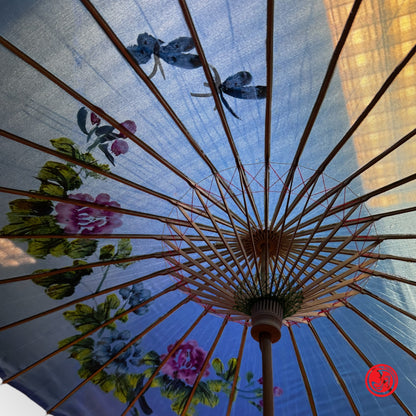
<point>165,165</point>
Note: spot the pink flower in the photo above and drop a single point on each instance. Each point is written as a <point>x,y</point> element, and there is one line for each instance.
<point>186,363</point>
<point>277,391</point>
<point>95,119</point>
<point>130,125</point>
<point>260,380</point>
<point>86,220</point>
<point>119,147</point>
<point>261,403</point>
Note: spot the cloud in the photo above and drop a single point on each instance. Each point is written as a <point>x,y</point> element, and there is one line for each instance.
<point>12,256</point>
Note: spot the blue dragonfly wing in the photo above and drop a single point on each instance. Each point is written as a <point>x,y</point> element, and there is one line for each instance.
<point>181,60</point>
<point>139,54</point>
<point>226,105</point>
<point>182,44</point>
<point>238,80</point>
<point>147,42</point>
<point>247,93</point>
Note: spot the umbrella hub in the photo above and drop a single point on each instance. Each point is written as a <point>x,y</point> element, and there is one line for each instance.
<point>266,318</point>
<point>277,243</point>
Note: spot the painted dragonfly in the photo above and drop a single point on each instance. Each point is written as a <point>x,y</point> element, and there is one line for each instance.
<point>172,53</point>
<point>236,86</point>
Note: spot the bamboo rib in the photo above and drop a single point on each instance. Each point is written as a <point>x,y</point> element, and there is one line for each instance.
<point>364,291</point>
<point>123,51</point>
<point>122,350</point>
<point>237,369</point>
<point>364,358</point>
<point>160,254</point>
<point>344,243</point>
<point>358,172</point>
<point>237,235</point>
<point>91,296</point>
<point>214,223</point>
<point>320,283</point>
<point>315,110</point>
<point>164,361</point>
<point>199,280</point>
<point>110,175</point>
<point>334,370</point>
<point>364,198</point>
<point>102,292</point>
<point>97,110</point>
<point>354,127</point>
<point>268,117</point>
<point>91,332</point>
<point>204,366</point>
<point>196,263</point>
<point>160,237</point>
<point>205,65</point>
<point>382,256</point>
<point>380,330</point>
<point>389,277</point>
<point>124,211</point>
<point>219,256</point>
<point>53,272</point>
<point>317,226</point>
<point>303,373</point>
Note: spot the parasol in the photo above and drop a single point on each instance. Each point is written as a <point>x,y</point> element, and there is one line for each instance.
<point>186,183</point>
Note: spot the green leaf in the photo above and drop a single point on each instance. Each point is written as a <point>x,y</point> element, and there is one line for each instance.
<point>52,189</point>
<point>112,301</point>
<point>218,366</point>
<point>148,372</point>
<point>60,291</point>
<point>135,412</point>
<point>66,146</point>
<point>232,365</point>
<point>124,318</point>
<point>81,248</point>
<point>41,247</point>
<point>215,385</point>
<point>68,340</point>
<point>82,119</point>
<point>63,284</point>
<point>249,376</point>
<point>203,394</point>
<point>124,248</point>
<point>125,385</point>
<point>106,381</point>
<point>23,224</point>
<point>152,358</point>
<point>107,252</point>
<point>36,207</point>
<point>60,174</point>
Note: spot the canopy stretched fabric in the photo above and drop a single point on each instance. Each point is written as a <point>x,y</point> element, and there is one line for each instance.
<point>167,165</point>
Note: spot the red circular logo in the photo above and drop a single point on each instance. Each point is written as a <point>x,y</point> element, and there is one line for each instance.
<point>381,380</point>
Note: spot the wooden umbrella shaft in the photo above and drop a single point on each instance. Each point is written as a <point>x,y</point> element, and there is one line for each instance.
<point>267,367</point>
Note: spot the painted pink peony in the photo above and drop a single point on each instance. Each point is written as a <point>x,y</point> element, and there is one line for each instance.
<point>119,147</point>
<point>95,119</point>
<point>87,220</point>
<point>130,125</point>
<point>186,363</point>
<point>277,391</point>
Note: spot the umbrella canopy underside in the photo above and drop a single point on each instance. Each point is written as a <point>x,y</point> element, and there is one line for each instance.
<point>169,166</point>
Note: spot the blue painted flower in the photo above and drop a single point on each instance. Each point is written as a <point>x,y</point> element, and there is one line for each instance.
<point>135,295</point>
<point>108,347</point>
